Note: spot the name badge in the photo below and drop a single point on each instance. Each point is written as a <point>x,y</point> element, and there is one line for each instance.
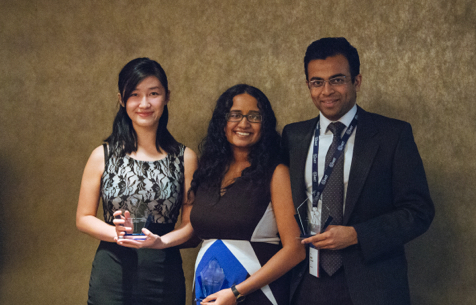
<point>315,226</point>
<point>313,261</point>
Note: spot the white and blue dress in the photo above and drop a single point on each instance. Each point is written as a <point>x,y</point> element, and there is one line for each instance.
<point>239,231</point>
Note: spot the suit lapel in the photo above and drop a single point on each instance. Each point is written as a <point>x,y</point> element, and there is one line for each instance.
<point>302,139</point>
<point>365,149</point>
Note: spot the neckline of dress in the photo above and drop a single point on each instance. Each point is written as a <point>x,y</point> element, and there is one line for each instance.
<point>158,160</point>
<point>224,190</point>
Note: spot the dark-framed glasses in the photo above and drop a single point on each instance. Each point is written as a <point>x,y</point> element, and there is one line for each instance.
<point>252,117</point>
<point>335,81</point>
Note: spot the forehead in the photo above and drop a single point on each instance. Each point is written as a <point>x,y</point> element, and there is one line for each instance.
<point>329,67</point>
<point>244,102</point>
<point>149,82</point>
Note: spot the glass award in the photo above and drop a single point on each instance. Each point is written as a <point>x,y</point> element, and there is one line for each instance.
<point>309,220</point>
<point>304,219</point>
<point>140,218</point>
<point>211,279</point>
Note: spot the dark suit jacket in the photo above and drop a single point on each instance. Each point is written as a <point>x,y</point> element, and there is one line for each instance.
<point>388,203</point>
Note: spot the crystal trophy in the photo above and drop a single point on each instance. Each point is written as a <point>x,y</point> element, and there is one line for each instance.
<point>140,218</point>
<point>309,220</point>
<point>211,279</point>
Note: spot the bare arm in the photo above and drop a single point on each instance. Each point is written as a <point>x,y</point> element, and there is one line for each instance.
<point>86,220</point>
<point>292,251</point>
<point>185,230</point>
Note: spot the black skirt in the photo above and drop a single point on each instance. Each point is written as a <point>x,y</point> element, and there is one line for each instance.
<point>129,276</point>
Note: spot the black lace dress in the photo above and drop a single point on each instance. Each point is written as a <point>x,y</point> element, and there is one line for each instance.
<point>123,275</point>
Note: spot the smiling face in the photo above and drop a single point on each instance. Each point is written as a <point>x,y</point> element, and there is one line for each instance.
<point>146,103</point>
<point>243,134</point>
<point>333,101</point>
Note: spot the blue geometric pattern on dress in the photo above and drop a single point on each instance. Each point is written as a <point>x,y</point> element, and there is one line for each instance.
<point>234,271</point>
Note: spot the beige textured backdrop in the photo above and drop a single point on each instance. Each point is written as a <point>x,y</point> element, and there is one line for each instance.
<point>59,62</point>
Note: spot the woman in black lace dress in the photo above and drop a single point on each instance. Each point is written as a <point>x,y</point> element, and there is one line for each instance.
<point>141,165</point>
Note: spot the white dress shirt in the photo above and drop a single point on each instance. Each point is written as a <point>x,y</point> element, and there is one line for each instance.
<point>325,141</point>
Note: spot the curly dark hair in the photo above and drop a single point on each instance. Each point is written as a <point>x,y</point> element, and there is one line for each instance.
<point>123,139</point>
<point>216,152</point>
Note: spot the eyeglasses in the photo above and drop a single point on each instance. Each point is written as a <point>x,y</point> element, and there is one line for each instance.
<point>253,117</point>
<point>335,81</point>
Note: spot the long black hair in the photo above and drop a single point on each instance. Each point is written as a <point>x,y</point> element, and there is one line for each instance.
<point>123,138</point>
<point>216,152</point>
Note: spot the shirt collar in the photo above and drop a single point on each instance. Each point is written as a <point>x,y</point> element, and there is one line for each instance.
<point>346,119</point>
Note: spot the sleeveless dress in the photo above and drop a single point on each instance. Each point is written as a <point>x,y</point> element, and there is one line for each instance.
<point>239,231</point>
<point>123,275</point>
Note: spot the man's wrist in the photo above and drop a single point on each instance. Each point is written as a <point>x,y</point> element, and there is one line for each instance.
<point>354,236</point>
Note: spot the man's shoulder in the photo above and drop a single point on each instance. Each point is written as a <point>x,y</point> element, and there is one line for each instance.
<point>383,121</point>
<point>301,125</point>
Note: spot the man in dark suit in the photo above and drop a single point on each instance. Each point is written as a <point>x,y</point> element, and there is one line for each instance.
<point>381,186</point>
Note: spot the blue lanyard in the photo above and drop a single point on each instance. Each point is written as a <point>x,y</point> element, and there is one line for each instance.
<point>318,188</point>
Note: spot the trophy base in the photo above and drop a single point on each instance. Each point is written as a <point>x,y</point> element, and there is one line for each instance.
<point>135,236</point>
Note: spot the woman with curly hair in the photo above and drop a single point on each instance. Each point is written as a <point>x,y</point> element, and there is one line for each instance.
<point>243,210</point>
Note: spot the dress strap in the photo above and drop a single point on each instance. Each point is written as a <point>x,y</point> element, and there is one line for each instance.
<point>106,155</point>
<point>182,150</point>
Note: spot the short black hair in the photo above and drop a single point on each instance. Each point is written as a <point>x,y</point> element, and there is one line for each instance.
<point>332,46</point>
